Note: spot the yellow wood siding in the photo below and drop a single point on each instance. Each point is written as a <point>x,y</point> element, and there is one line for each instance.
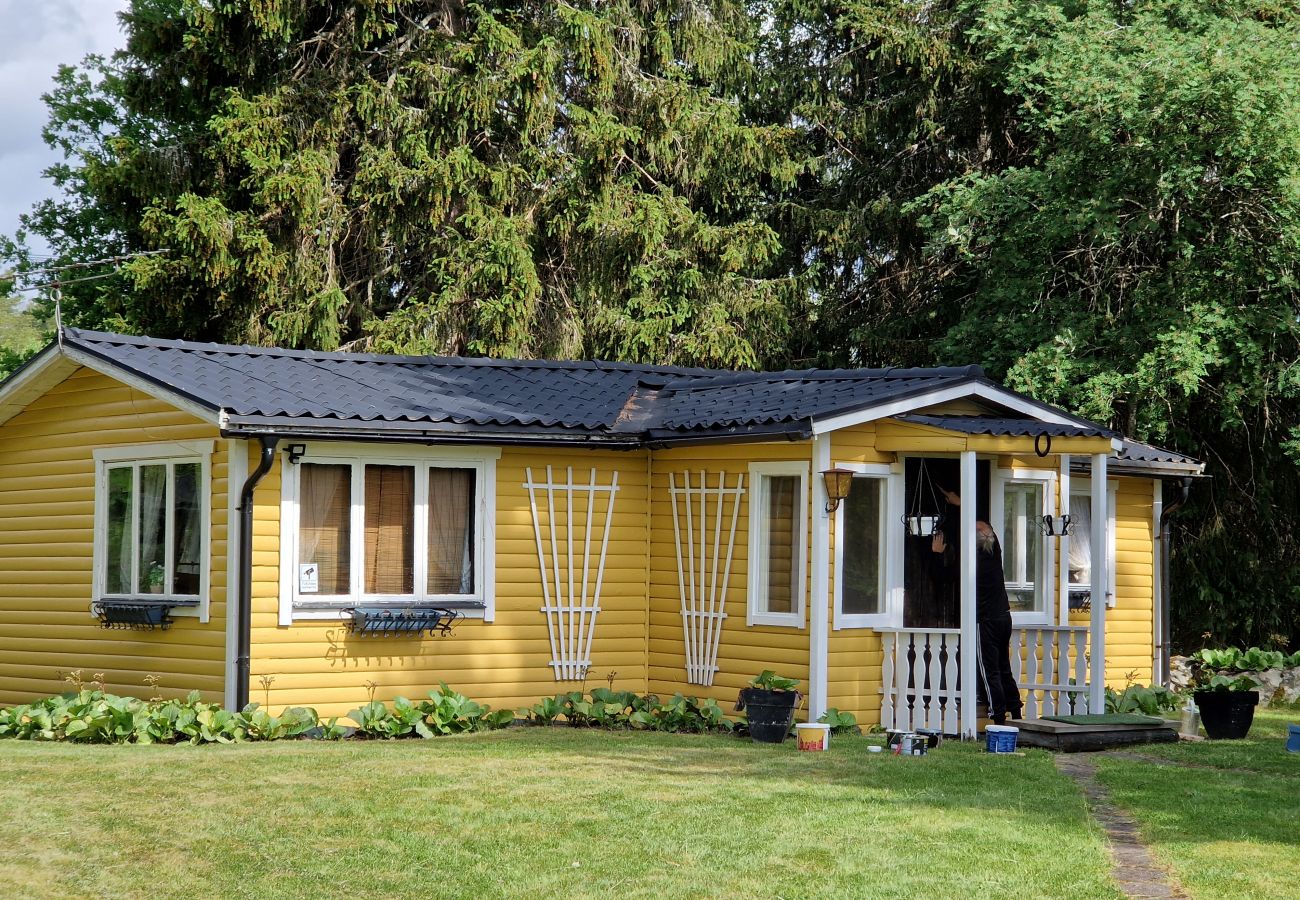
<point>1129,624</point>
<point>47,515</point>
<point>506,662</point>
<point>743,651</point>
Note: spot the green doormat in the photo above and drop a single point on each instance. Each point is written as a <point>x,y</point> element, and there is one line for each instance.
<point>1107,719</point>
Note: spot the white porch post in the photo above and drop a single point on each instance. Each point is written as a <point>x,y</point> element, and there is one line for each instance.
<point>1099,583</point>
<point>818,606</point>
<point>1063,545</point>
<point>969,633</point>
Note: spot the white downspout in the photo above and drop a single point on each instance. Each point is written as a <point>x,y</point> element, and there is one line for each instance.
<point>1099,582</point>
<point>969,632</point>
<point>818,606</point>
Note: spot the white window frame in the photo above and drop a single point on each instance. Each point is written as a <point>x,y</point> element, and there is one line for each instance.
<point>999,479</point>
<point>889,536</point>
<point>1082,487</point>
<point>756,583</point>
<point>163,453</point>
<point>296,606</point>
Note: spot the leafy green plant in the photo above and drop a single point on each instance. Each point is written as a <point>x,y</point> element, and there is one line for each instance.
<point>1223,683</point>
<point>840,722</point>
<point>1148,701</point>
<point>768,680</point>
<point>544,711</point>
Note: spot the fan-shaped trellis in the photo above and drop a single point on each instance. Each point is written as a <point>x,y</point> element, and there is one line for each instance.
<point>570,602</point>
<point>699,552</point>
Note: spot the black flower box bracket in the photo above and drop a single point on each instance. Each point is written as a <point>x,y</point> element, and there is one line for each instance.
<point>138,615</point>
<point>407,621</point>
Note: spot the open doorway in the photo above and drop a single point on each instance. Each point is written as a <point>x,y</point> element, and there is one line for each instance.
<point>931,583</point>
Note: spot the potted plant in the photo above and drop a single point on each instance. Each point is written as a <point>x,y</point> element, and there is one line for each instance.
<point>156,578</point>
<point>1227,705</point>
<point>769,702</point>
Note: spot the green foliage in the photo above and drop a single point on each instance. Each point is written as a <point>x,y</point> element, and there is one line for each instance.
<point>1148,701</point>
<point>445,712</point>
<point>1252,660</point>
<point>570,179</point>
<point>1230,683</point>
<point>768,680</point>
<point>610,709</point>
<point>840,722</point>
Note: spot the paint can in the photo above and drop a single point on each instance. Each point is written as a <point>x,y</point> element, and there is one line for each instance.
<point>896,739</point>
<point>813,737</point>
<point>934,736</point>
<point>917,745</point>
<point>1001,738</point>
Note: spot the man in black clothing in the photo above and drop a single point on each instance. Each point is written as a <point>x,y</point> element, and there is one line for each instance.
<point>992,619</point>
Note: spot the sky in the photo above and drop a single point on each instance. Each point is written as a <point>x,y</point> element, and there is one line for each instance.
<point>39,35</point>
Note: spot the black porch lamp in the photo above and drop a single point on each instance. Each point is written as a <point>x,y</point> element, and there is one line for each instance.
<point>838,481</point>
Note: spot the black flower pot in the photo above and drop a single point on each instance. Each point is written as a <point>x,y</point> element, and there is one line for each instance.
<point>1227,715</point>
<point>771,713</point>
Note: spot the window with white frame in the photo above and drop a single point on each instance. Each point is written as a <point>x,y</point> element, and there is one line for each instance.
<point>1080,553</point>
<point>152,522</point>
<point>1023,551</point>
<point>778,517</point>
<point>1019,500</point>
<point>392,530</point>
<point>860,551</point>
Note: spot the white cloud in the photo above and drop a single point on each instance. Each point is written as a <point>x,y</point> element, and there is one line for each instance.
<point>38,36</point>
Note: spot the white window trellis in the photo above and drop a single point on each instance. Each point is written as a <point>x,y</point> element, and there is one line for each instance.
<point>703,593</point>
<point>570,604</point>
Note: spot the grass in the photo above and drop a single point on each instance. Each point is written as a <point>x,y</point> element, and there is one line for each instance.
<point>542,812</point>
<point>1226,828</point>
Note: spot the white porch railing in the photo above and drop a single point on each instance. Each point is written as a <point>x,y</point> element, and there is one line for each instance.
<point>920,666</point>
<point>919,678</point>
<point>1050,664</point>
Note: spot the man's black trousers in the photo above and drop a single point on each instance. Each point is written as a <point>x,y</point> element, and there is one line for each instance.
<point>996,683</point>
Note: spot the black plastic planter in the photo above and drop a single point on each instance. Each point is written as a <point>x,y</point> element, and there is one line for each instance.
<point>771,713</point>
<point>1227,715</point>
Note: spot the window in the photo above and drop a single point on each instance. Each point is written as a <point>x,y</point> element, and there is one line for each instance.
<point>1022,546</point>
<point>861,552</point>
<point>1080,572</point>
<point>1019,500</point>
<point>395,530</point>
<point>778,515</point>
<point>152,523</point>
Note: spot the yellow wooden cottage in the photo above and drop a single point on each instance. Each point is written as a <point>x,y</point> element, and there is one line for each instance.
<point>303,527</point>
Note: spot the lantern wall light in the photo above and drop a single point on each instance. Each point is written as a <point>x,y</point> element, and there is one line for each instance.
<point>838,482</point>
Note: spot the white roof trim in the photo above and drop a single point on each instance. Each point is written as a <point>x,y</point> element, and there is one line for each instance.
<point>982,391</point>
<point>43,372</point>
<point>53,364</point>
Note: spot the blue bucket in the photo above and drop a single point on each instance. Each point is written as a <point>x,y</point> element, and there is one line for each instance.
<point>1000,738</point>
<point>1293,738</point>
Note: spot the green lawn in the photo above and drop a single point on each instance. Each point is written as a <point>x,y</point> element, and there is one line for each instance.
<point>540,813</point>
<point>1229,830</point>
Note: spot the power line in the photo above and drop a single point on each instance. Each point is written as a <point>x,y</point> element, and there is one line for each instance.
<point>56,282</point>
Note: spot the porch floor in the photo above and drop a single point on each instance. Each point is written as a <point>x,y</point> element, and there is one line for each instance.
<point>1069,737</point>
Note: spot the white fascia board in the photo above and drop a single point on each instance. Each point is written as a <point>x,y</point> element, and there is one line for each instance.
<point>44,371</point>
<point>143,385</point>
<point>981,391</point>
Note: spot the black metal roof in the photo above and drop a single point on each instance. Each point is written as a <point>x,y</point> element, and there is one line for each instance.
<point>357,395</point>
<point>257,387</point>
